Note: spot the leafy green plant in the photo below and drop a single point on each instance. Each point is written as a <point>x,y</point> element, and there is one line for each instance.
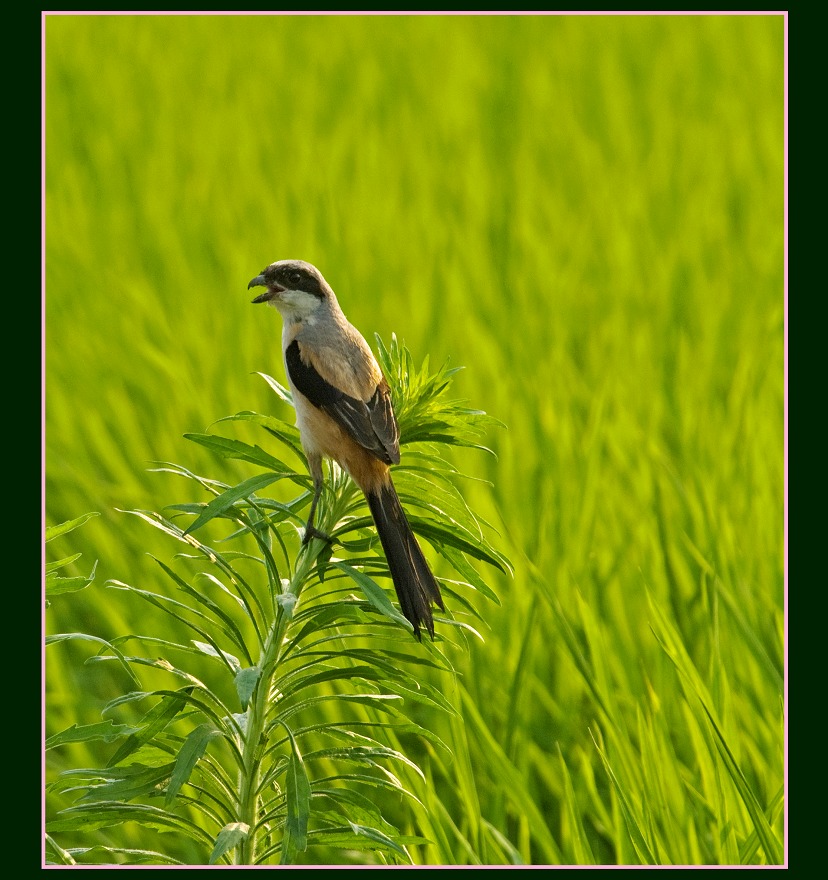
<point>57,584</point>
<point>587,212</point>
<point>288,742</point>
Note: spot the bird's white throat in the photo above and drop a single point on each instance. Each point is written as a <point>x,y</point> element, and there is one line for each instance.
<point>296,305</point>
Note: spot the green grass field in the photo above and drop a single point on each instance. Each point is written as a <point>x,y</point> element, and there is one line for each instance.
<point>586,212</point>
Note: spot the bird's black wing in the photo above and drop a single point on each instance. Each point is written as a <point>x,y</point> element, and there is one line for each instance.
<point>371,424</point>
<point>384,421</point>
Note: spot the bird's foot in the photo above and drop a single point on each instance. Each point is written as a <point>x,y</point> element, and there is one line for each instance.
<point>312,532</point>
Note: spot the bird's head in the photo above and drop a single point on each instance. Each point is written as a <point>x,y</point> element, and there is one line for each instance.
<point>294,287</point>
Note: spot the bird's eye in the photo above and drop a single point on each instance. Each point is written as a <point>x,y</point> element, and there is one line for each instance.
<point>295,277</point>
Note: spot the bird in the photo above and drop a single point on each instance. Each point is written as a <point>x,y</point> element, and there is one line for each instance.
<point>344,413</point>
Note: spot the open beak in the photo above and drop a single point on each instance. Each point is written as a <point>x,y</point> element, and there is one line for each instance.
<point>272,290</point>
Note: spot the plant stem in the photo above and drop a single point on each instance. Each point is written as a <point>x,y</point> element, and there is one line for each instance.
<point>249,800</point>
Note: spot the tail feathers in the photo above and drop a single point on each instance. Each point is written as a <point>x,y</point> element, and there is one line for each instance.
<point>416,586</point>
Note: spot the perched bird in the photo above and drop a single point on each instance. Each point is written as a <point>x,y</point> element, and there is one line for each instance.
<point>344,412</point>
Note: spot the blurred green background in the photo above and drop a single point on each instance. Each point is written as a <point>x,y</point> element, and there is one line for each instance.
<point>584,211</point>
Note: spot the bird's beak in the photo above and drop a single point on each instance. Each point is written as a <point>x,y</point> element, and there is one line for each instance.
<point>259,281</point>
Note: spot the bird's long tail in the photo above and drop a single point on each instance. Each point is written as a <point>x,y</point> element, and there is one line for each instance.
<point>416,586</point>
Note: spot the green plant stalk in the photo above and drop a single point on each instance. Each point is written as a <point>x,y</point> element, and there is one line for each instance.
<point>254,743</point>
<point>253,749</point>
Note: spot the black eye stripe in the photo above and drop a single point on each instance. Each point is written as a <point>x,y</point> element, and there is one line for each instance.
<point>298,279</point>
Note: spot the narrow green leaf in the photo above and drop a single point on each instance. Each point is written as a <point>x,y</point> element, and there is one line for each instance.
<point>245,591</point>
<point>124,699</point>
<point>297,795</point>
<point>278,389</point>
<point>637,837</point>
<point>60,563</point>
<point>172,468</point>
<point>158,521</point>
<point>237,449</point>
<point>61,637</point>
<point>189,755</point>
<point>770,842</point>
<point>56,585</point>
<point>322,561</point>
<point>225,621</point>
<point>365,755</point>
<point>203,702</point>
<point>693,685</point>
<point>136,781</point>
<point>751,844</point>
<point>288,434</point>
<point>134,856</point>
<point>246,680</point>
<point>227,499</point>
<point>750,636</point>
<point>228,838</point>
<point>467,571</point>
<point>311,676</point>
<point>88,817</point>
<point>206,575</point>
<point>64,856</point>
<point>345,837</point>
<point>375,595</point>
<point>421,693</point>
<point>358,806</point>
<point>580,841</point>
<point>53,532</point>
<point>153,722</point>
<point>105,730</point>
<point>232,660</point>
<point>377,836</point>
<point>506,845</point>
<point>174,609</point>
<point>439,534</point>
<point>460,624</point>
<point>514,784</point>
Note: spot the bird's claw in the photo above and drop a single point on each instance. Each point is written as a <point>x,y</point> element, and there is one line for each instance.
<point>311,532</point>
